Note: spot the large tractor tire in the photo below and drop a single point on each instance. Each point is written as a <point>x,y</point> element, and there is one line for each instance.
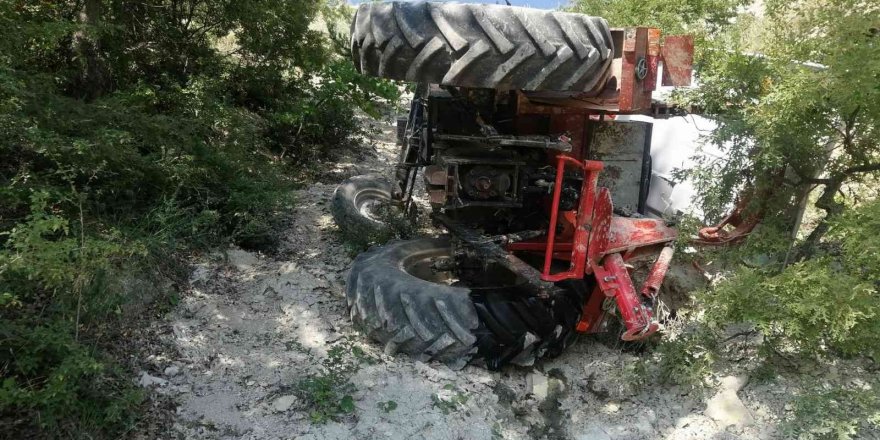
<point>400,295</point>
<point>486,46</point>
<point>357,203</point>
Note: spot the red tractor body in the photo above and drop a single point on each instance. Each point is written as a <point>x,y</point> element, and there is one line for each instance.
<point>524,176</point>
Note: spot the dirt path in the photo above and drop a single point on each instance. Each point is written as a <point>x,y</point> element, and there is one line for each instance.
<point>262,348</point>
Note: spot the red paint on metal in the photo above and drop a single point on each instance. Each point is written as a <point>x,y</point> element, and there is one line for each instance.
<point>623,234</point>
<point>658,272</point>
<point>629,233</point>
<point>741,226</point>
<point>602,219</point>
<point>575,125</point>
<point>554,215</point>
<point>592,314</point>
<point>591,171</point>
<point>653,59</point>
<point>633,96</point>
<point>678,59</point>
<point>613,279</point>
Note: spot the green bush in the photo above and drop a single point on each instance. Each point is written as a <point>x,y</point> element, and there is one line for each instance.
<point>131,133</point>
<point>826,304</point>
<point>839,414</point>
<point>57,385</point>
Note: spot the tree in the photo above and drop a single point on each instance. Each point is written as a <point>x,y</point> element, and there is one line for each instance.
<point>94,79</point>
<point>795,91</point>
<point>806,103</point>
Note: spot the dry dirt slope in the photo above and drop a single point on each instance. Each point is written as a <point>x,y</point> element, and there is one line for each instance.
<point>253,329</point>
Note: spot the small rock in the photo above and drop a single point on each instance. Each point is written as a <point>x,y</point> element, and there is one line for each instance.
<point>861,384</point>
<point>172,371</point>
<point>242,260</point>
<point>644,426</point>
<point>147,381</point>
<point>733,383</point>
<point>537,385</point>
<point>612,407</point>
<point>726,408</point>
<point>788,407</point>
<point>283,403</point>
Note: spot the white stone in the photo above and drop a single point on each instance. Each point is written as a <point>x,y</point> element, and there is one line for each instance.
<point>172,371</point>
<point>283,403</point>
<point>242,260</point>
<point>538,385</point>
<point>147,381</point>
<point>726,408</point>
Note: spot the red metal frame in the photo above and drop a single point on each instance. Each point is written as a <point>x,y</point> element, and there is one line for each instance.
<point>594,241</point>
<point>584,219</point>
<point>599,245</point>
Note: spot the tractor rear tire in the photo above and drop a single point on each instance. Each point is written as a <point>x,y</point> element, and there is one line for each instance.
<point>484,46</point>
<point>354,206</point>
<point>434,320</point>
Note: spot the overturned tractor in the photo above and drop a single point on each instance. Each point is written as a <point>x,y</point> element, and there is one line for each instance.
<point>511,132</point>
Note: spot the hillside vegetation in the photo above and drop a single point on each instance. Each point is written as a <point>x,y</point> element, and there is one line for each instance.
<point>131,133</point>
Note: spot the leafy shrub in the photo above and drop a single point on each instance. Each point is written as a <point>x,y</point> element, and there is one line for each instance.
<point>56,384</point>
<point>131,132</point>
<point>685,361</point>
<point>840,414</point>
<point>829,303</point>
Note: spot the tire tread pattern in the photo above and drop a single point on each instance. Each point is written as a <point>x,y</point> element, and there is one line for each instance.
<point>451,324</point>
<point>486,46</point>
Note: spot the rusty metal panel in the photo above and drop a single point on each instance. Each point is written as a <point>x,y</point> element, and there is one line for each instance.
<point>625,149</point>
<point>649,84</point>
<point>634,71</point>
<point>678,59</point>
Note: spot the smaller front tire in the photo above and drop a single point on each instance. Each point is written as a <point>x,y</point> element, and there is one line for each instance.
<point>357,206</point>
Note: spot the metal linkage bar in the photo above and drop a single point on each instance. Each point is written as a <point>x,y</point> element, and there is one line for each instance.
<point>558,143</point>
<point>491,249</point>
<point>613,279</point>
<point>579,249</point>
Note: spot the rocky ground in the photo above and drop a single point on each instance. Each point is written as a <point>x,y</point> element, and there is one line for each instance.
<point>261,347</point>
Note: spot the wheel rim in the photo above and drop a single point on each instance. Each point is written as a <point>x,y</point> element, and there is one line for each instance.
<point>368,202</point>
<point>437,266</point>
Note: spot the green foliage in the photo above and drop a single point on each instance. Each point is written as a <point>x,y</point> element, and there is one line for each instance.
<point>326,398</point>
<point>839,414</point>
<point>805,108</point>
<point>52,378</point>
<point>132,132</point>
<point>328,395</point>
<point>686,360</point>
<point>387,406</point>
<point>825,303</point>
<point>695,17</point>
<point>449,399</point>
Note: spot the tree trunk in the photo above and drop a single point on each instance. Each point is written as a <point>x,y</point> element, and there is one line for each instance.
<point>94,78</point>
<point>832,208</point>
